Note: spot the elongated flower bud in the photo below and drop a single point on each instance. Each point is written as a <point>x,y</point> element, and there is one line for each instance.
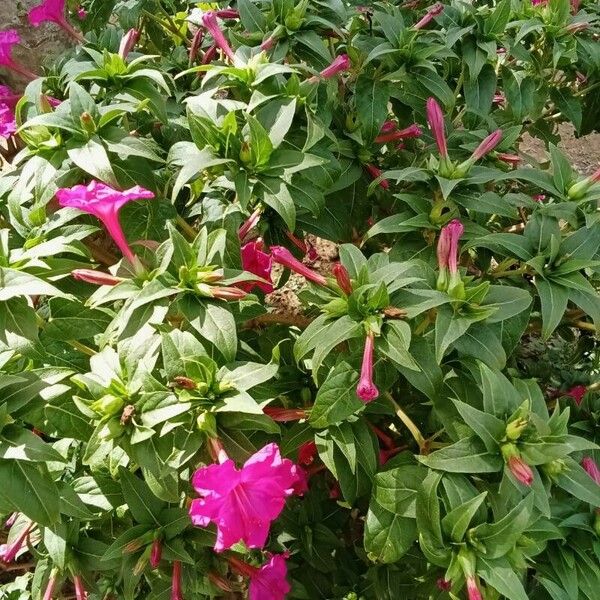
<point>579,189</point>
<point>8,553</point>
<point>95,277</point>
<point>228,293</point>
<point>155,553</point>
<point>343,278</point>
<point>195,45</point>
<point>285,415</point>
<point>128,42</point>
<point>249,224</point>
<point>375,173</point>
<point>473,589</point>
<point>339,65</point>
<point>176,593</point>
<point>408,132</point>
<point>433,12</point>
<point>487,145</point>
<point>80,591</point>
<point>447,255</point>
<point>511,159</point>
<point>228,13</point>
<point>51,585</point>
<point>209,20</point>
<point>591,468</point>
<point>366,389</point>
<point>521,470</point>
<point>285,258</point>
<point>435,118</point>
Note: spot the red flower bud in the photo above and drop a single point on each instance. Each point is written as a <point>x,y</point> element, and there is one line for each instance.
<point>155,553</point>
<point>521,470</point>
<point>343,278</point>
<point>95,277</point>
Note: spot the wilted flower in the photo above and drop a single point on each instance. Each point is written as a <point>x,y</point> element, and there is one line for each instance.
<point>128,42</point>
<point>443,584</point>
<point>577,392</point>
<point>209,20</point>
<point>284,415</point>
<point>104,202</point>
<point>366,389</point>
<point>433,12</point>
<point>285,258</point>
<point>242,503</point>
<point>8,39</point>
<point>343,278</point>
<point>81,13</point>
<point>591,468</point>
<point>259,263</point>
<point>53,11</point>
<point>511,159</point>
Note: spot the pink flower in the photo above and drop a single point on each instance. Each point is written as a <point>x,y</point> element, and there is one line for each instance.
<point>259,263</point>
<point>8,39</point>
<point>53,11</point>
<point>408,132</point>
<point>268,43</point>
<point>228,13</point>
<point>8,552</point>
<point>128,42</point>
<point>366,389</point>
<point>243,502</point>
<point>95,277</point>
<point>591,468</point>
<point>433,12</point>
<point>577,393</point>
<point>104,202</point>
<point>375,173</point>
<point>339,65</point>
<point>575,6</point>
<point>435,118</point>
<point>307,453</point>
<point>473,589</point>
<point>81,13</point>
<point>8,97</point>
<point>209,20</point>
<point>343,278</point>
<point>155,553</point>
<point>521,470</point>
<point>176,593</point>
<point>50,586</point>
<point>80,593</point>
<point>447,248</point>
<point>8,125</point>
<point>285,258</point>
<point>388,127</point>
<point>270,581</point>
<point>538,197</point>
<point>499,98</point>
<point>284,415</point>
<point>443,584</point>
<point>487,145</point>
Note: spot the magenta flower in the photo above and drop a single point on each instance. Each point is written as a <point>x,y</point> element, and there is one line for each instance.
<point>51,585</point>
<point>209,20</point>
<point>95,277</point>
<point>375,173</point>
<point>520,470</point>
<point>473,589</point>
<point>577,393</point>
<point>8,124</point>
<point>259,263</point>
<point>155,554</point>
<point>487,145</point>
<point>53,11</point>
<point>285,258</point>
<point>433,12</point>
<point>8,97</point>
<point>339,65</point>
<point>128,42</point>
<point>81,13</point>
<point>591,468</point>
<point>268,43</point>
<point>176,593</point>
<point>104,203</point>
<point>435,118</point>
<point>447,255</point>
<point>243,502</point>
<point>366,389</point>
<point>8,552</point>
<point>8,39</point>
<point>388,127</point>
<point>343,278</point>
<point>270,581</point>
<point>80,592</point>
<point>408,132</point>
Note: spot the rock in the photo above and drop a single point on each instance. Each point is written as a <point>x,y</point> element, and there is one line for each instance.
<point>39,45</point>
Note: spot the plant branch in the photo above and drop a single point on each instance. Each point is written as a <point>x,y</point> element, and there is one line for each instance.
<point>409,424</point>
<point>299,321</point>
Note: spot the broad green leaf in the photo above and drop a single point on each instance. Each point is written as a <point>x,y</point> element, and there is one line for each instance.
<point>554,299</point>
<point>468,455</point>
<point>142,503</point>
<point>457,521</point>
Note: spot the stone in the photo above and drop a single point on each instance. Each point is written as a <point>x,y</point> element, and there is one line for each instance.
<point>40,44</point>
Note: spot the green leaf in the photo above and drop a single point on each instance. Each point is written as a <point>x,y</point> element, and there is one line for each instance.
<point>336,399</point>
<point>246,375</point>
<point>277,196</point>
<point>15,283</point>
<point>17,443</point>
<point>448,328</point>
<point>456,522</point>
<point>468,455</point>
<point>143,504</point>
<point>554,299</point>
<point>73,321</point>
<point>92,158</point>
<point>261,147</point>
<point>496,23</point>
<point>429,378</point>
<point>251,17</point>
<point>371,97</point>
<point>485,425</point>
<point>428,521</point>
<point>500,575</point>
<point>479,92</point>
<point>29,489</point>
<point>575,480</point>
<point>395,344</point>
<point>482,343</point>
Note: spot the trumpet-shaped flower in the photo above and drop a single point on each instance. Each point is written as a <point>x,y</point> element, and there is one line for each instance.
<point>209,20</point>
<point>285,258</point>
<point>270,581</point>
<point>8,39</point>
<point>259,263</point>
<point>366,389</point>
<point>242,503</point>
<point>104,202</point>
<point>53,11</point>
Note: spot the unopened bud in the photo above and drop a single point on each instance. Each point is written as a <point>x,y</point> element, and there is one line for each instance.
<point>155,553</point>
<point>515,428</point>
<point>343,278</point>
<point>207,423</point>
<point>108,405</point>
<point>87,122</point>
<point>183,382</point>
<point>554,467</point>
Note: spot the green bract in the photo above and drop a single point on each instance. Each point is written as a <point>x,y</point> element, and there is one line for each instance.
<point>465,462</point>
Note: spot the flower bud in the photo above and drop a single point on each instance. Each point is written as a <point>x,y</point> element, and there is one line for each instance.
<point>108,405</point>
<point>591,468</point>
<point>87,123</point>
<point>343,278</point>
<point>95,277</point>
<point>554,467</point>
<point>155,553</point>
<point>367,390</point>
<point>207,423</point>
<point>521,470</point>
<point>515,428</point>
<point>579,189</point>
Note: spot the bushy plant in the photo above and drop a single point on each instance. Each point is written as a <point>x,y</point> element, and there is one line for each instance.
<point>422,424</point>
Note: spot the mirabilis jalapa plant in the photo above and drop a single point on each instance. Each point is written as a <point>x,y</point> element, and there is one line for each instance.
<point>166,433</point>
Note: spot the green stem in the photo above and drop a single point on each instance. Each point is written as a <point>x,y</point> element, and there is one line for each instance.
<point>186,228</point>
<point>408,422</point>
<point>520,271</point>
<point>168,26</point>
